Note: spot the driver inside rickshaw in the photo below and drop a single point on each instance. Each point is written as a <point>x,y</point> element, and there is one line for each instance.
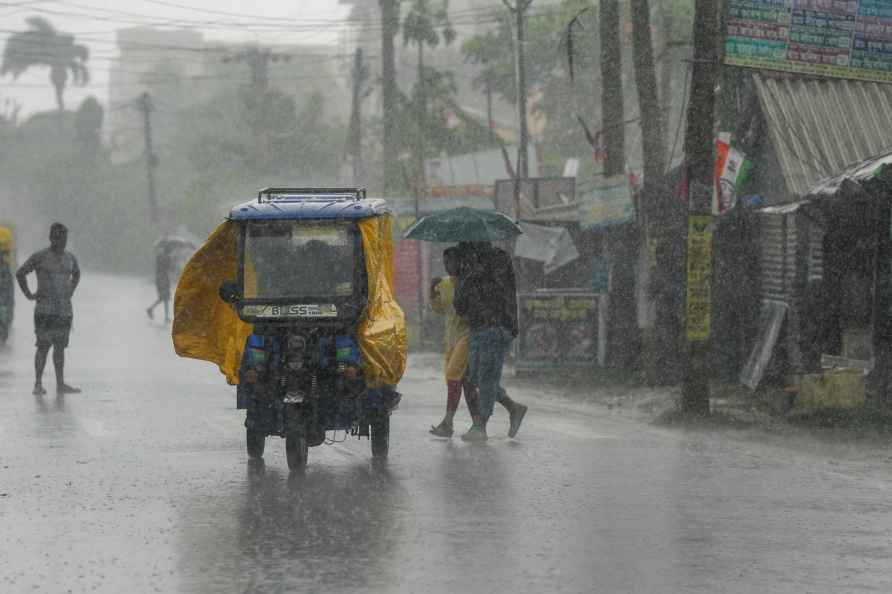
<point>290,260</point>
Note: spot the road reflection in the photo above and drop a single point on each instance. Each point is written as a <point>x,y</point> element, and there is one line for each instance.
<point>333,526</point>
<point>42,405</point>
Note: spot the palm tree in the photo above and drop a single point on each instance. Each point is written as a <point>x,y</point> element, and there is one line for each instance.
<point>43,45</point>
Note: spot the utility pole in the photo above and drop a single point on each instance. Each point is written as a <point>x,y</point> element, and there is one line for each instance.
<point>618,244</point>
<point>653,148</point>
<point>145,105</point>
<point>360,75</point>
<point>490,124</point>
<point>699,153</point>
<point>522,171</point>
<point>258,60</point>
<point>667,24</point>
<point>648,101</point>
<point>421,182</point>
<point>612,89</point>
<point>390,21</point>
<point>422,127</point>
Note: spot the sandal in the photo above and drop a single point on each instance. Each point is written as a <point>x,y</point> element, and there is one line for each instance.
<point>441,430</point>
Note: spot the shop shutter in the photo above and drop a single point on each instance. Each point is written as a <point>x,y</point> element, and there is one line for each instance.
<point>815,252</point>
<point>773,256</point>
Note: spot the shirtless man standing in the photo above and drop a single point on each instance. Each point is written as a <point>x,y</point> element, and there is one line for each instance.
<point>57,277</point>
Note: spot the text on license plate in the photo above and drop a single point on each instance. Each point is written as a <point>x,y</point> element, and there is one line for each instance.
<point>295,310</point>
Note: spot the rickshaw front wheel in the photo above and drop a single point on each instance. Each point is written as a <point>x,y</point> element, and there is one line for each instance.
<point>380,434</point>
<point>255,441</point>
<point>297,450</point>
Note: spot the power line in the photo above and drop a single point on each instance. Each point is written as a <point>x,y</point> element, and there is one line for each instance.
<point>196,78</point>
<point>298,58</point>
<point>312,26</point>
<point>465,12</point>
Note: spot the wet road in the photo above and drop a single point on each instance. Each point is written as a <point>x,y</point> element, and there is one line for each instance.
<point>141,484</point>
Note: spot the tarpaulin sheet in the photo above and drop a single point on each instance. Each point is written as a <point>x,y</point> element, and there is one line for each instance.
<point>206,328</point>
<point>552,246</point>
<point>382,334</point>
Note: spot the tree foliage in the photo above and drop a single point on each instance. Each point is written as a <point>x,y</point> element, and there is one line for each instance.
<point>558,99</point>
<point>43,46</point>
<point>426,25</point>
<point>208,161</point>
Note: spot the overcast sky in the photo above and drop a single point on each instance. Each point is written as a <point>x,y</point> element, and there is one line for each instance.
<point>94,23</point>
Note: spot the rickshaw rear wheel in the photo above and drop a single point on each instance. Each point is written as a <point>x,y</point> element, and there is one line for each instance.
<point>297,451</point>
<point>256,441</point>
<point>380,435</point>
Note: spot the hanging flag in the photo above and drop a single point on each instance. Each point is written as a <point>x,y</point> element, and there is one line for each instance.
<point>731,170</point>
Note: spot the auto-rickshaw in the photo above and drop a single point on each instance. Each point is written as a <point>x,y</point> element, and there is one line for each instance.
<point>292,297</point>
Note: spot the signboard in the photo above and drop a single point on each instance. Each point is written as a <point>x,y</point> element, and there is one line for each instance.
<point>535,193</point>
<point>838,38</point>
<point>699,296</point>
<point>558,329</point>
<point>609,203</point>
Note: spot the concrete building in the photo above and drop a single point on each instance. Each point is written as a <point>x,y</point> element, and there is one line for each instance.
<point>180,68</point>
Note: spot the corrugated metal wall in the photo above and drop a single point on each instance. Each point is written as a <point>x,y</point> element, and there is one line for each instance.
<point>791,256</point>
<point>819,127</point>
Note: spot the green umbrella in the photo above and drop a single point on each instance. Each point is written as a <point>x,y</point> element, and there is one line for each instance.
<point>464,224</point>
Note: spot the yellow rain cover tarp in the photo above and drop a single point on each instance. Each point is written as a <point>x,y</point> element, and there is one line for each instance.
<point>382,334</point>
<point>206,328</point>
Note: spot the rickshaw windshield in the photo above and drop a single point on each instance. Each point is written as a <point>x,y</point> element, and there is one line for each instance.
<point>294,259</point>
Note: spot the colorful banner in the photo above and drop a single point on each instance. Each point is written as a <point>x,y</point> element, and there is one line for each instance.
<point>699,295</point>
<point>609,203</point>
<point>838,38</point>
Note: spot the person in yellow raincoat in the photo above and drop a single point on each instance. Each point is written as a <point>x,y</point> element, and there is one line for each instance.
<point>456,342</point>
<point>7,284</point>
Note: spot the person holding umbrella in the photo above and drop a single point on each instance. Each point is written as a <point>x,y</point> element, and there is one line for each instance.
<point>163,272</point>
<point>170,252</point>
<point>486,296</point>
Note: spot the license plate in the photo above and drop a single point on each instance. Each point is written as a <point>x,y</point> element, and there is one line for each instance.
<point>296,310</point>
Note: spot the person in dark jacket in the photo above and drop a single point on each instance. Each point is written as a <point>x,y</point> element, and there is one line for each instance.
<point>486,297</point>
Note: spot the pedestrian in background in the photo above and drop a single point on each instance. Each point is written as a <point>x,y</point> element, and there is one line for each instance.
<point>486,297</point>
<point>58,276</point>
<point>457,334</point>
<point>164,264</point>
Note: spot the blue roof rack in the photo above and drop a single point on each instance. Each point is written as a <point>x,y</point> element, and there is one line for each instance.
<point>309,204</point>
<point>295,194</point>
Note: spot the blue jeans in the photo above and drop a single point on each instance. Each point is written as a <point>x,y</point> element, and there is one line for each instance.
<point>486,354</point>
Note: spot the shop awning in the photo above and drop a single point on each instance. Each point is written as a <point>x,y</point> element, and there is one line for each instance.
<point>820,127</point>
<point>872,177</point>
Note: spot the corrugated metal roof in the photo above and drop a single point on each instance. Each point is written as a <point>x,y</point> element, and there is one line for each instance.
<point>820,127</point>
